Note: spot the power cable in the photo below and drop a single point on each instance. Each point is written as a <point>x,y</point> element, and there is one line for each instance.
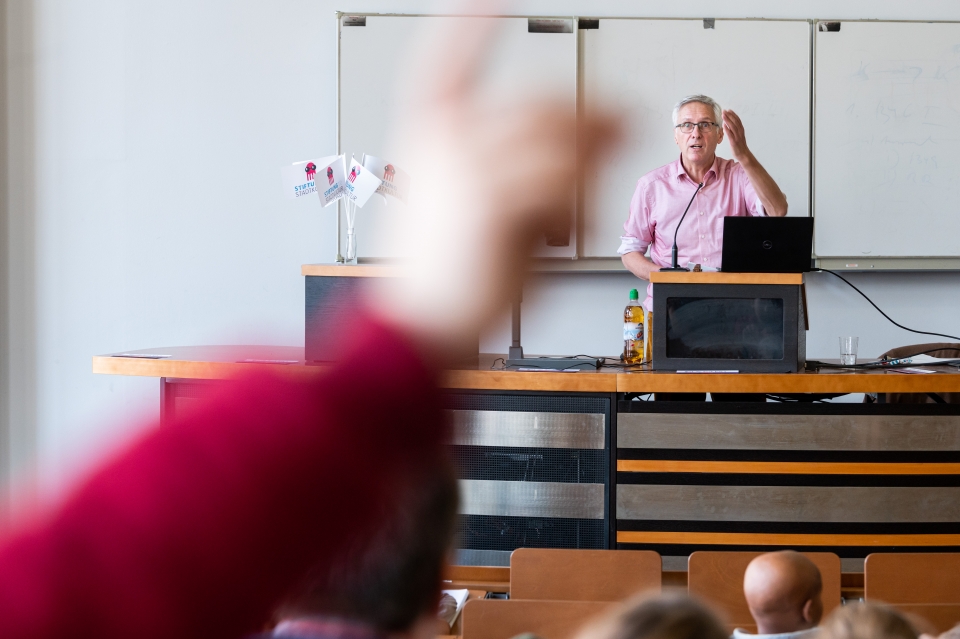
<point>879,310</point>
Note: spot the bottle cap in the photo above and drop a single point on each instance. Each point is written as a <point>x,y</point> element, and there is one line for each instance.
<point>633,294</point>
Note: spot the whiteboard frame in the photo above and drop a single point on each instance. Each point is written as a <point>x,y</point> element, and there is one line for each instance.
<point>577,263</point>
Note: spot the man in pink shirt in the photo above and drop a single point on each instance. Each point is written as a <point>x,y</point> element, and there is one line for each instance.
<point>730,187</point>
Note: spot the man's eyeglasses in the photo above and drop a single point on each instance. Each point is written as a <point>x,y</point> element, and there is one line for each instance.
<point>687,127</point>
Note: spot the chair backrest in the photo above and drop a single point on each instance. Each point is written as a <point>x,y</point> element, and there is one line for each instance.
<point>934,349</point>
<point>506,618</point>
<point>946,350</point>
<point>924,584</point>
<point>717,577</point>
<point>489,578</point>
<point>582,575</point>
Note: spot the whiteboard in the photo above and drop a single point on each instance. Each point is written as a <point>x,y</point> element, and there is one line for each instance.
<point>887,170</point>
<point>758,68</point>
<point>522,66</point>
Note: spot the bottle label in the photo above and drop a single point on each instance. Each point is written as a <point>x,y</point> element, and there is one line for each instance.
<point>632,330</point>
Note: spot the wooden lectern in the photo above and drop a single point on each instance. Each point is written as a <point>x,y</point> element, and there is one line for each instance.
<point>744,322</point>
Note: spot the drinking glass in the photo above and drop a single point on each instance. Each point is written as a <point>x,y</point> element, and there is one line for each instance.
<point>848,350</point>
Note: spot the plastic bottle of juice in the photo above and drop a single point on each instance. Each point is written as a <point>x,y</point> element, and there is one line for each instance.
<point>648,332</point>
<point>633,330</point>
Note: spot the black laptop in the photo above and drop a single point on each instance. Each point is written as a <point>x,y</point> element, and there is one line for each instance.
<point>767,244</point>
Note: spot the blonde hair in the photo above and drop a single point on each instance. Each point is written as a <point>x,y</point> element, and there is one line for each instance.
<point>648,616</point>
<point>866,621</point>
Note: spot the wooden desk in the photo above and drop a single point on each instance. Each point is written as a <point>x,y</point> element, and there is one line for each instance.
<point>224,362</point>
<point>553,459</point>
<point>668,476</point>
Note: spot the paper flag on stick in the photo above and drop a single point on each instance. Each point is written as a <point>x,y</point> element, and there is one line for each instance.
<point>331,180</point>
<point>393,181</point>
<point>299,179</point>
<point>361,183</point>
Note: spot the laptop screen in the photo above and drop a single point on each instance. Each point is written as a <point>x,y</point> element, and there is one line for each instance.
<point>767,244</point>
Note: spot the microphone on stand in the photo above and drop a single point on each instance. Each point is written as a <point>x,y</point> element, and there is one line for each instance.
<point>675,267</point>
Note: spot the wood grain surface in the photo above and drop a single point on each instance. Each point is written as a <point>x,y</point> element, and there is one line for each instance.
<point>487,578</point>
<point>787,468</point>
<point>945,380</point>
<point>502,619</point>
<point>206,362</point>
<point>224,362</point>
<point>679,277</point>
<point>582,575</point>
<point>785,539</point>
<point>350,270</point>
<point>913,578</point>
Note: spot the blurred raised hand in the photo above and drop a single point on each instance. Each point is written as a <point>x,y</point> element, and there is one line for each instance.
<point>500,175</point>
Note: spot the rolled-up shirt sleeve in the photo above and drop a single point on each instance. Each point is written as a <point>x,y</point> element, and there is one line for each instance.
<point>750,198</point>
<point>639,227</point>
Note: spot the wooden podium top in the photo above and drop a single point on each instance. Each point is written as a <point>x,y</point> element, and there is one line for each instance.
<point>713,277</point>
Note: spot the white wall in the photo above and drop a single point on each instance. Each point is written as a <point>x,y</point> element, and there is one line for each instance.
<point>144,141</point>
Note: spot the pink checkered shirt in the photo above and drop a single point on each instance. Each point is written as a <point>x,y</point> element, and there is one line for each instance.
<point>658,203</point>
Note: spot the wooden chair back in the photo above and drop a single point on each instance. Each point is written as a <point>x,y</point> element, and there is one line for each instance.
<point>947,350</point>
<point>489,578</point>
<point>582,575</point>
<point>506,618</point>
<point>923,584</point>
<point>717,577</point>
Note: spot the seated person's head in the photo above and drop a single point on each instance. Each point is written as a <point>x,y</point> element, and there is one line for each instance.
<point>389,582</point>
<point>866,621</point>
<point>783,592</point>
<point>669,616</point>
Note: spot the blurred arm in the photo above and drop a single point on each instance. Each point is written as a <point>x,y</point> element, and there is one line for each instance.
<point>200,527</point>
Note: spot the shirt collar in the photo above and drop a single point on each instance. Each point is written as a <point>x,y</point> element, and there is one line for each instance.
<point>714,168</point>
<point>809,633</point>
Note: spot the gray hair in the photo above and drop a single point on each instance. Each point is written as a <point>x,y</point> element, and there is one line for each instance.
<point>702,99</point>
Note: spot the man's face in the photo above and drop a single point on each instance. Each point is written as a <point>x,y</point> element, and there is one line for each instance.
<point>698,147</point>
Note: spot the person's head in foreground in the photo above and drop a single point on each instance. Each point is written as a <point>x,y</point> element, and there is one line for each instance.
<point>783,590</point>
<point>387,585</point>
<point>866,621</point>
<point>668,616</point>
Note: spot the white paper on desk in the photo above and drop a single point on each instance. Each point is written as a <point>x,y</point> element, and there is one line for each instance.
<point>393,181</point>
<point>299,179</point>
<point>911,371</point>
<point>460,596</point>
<point>926,360</point>
<point>361,183</point>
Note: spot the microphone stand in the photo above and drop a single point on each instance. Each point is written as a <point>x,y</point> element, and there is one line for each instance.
<point>677,230</point>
